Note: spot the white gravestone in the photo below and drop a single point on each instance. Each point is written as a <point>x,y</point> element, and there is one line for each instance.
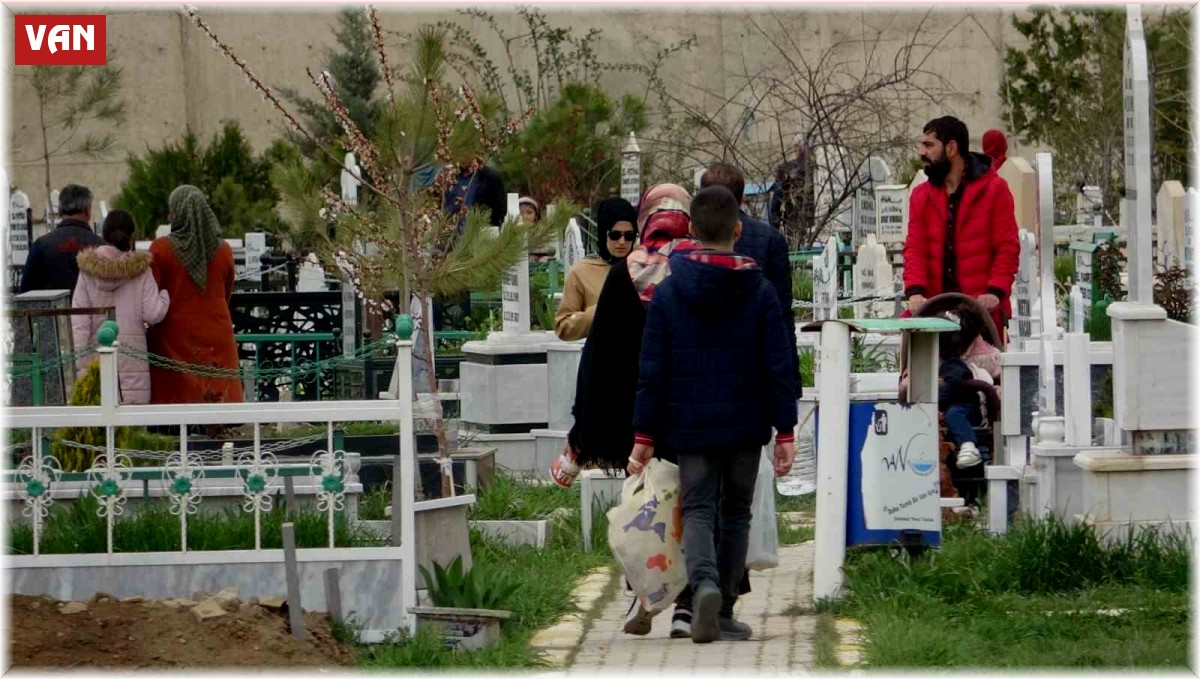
<point>1047,404</point>
<point>831,177</point>
<point>351,179</point>
<point>18,228</point>
<point>1083,273</point>
<point>1078,308</point>
<point>631,171</point>
<point>1169,202</point>
<point>311,277</point>
<point>573,252</point>
<point>515,286</point>
<point>1025,324</point>
<point>255,247</point>
<point>872,277</point>
<point>1189,223</point>
<point>349,319</point>
<point>872,173</point>
<point>825,285</point>
<point>1022,182</point>
<point>891,214</point>
<point>1138,195</point>
<point>1089,206</point>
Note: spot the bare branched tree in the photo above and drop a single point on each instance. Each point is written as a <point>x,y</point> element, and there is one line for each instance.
<point>853,99</point>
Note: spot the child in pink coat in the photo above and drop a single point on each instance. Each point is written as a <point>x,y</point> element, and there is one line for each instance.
<point>113,275</point>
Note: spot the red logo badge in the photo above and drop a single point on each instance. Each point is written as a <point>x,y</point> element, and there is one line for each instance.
<point>60,40</point>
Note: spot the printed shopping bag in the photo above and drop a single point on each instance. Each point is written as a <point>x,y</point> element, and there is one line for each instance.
<point>645,533</point>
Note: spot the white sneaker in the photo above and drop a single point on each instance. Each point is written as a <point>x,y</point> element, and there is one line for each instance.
<point>681,624</point>
<point>968,456</point>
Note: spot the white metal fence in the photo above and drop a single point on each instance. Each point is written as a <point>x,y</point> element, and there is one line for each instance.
<point>256,467</point>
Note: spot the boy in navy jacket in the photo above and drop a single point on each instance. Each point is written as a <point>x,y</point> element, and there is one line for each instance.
<point>714,379</point>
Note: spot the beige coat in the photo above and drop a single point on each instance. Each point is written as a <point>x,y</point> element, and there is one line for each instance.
<point>580,294</point>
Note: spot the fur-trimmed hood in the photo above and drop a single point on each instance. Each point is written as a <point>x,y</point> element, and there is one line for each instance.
<point>112,267</point>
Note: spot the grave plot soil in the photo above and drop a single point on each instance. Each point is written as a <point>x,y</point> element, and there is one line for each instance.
<point>115,634</point>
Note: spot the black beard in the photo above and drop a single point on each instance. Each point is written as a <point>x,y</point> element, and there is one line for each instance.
<point>936,172</point>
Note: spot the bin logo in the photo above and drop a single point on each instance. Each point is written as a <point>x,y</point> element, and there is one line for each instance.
<point>881,428</point>
<point>912,455</point>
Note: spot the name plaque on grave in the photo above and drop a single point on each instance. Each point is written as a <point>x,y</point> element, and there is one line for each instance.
<point>891,212</point>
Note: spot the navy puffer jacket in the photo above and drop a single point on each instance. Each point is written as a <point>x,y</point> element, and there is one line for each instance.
<point>715,362</point>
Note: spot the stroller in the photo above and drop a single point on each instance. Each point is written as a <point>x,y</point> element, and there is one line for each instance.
<point>980,333</point>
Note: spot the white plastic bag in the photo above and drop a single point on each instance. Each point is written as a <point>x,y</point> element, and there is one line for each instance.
<point>763,552</point>
<point>645,533</point>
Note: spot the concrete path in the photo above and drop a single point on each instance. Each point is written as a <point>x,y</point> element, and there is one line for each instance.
<point>779,610</point>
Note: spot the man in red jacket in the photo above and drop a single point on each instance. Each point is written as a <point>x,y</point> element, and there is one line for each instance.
<point>962,228</point>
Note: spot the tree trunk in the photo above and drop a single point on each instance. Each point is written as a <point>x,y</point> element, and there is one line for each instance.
<point>45,151</point>
<point>440,424</point>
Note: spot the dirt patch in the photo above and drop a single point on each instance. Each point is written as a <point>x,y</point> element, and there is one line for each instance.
<point>115,634</point>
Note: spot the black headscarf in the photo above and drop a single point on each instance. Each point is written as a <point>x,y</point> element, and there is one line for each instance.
<point>608,213</point>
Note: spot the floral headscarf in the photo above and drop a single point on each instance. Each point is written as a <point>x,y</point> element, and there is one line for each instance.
<point>664,220</point>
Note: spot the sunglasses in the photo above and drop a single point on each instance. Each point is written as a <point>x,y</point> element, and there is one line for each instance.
<point>615,235</point>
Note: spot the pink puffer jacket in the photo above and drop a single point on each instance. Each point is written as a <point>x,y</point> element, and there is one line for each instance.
<point>110,277</point>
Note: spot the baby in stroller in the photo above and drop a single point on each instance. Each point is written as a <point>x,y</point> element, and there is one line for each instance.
<point>967,377</point>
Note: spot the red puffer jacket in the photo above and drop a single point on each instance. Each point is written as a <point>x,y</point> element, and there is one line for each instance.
<point>985,239</point>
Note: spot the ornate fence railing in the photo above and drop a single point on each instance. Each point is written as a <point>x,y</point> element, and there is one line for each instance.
<point>255,468</point>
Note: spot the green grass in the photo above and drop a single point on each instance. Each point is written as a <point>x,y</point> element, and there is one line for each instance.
<point>808,367</point>
<point>348,428</point>
<point>547,577</point>
<point>794,534</point>
<point>508,498</point>
<point>75,528</point>
<point>825,643</point>
<point>372,505</point>
<point>795,503</point>
<point>983,601</point>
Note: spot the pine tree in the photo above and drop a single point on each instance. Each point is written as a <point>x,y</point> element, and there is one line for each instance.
<point>355,73</point>
<point>68,98</point>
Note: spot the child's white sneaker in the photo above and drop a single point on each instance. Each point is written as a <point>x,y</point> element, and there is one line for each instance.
<point>968,456</point>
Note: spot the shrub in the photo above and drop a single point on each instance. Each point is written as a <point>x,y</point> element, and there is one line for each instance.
<point>236,182</point>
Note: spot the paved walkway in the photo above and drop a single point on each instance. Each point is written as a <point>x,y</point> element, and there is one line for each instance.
<point>782,642</point>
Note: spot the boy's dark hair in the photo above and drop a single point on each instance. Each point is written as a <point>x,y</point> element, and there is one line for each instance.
<point>724,174</point>
<point>118,230</point>
<point>714,214</point>
<point>948,129</point>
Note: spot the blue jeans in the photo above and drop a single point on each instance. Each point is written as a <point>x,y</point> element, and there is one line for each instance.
<point>718,490</point>
<point>961,420</point>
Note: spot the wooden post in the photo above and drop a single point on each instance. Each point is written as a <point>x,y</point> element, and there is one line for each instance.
<point>333,594</point>
<point>292,571</point>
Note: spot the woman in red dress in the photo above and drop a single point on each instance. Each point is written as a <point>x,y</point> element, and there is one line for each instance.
<point>195,265</point>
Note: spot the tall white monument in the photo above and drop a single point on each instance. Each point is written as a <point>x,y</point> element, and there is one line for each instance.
<point>351,180</point>
<point>573,252</point>
<point>18,227</point>
<point>1138,195</point>
<point>631,171</point>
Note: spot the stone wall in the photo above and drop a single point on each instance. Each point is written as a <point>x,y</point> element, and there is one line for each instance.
<point>175,80</point>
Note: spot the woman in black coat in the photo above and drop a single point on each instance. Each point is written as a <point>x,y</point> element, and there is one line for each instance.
<point>606,385</point>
